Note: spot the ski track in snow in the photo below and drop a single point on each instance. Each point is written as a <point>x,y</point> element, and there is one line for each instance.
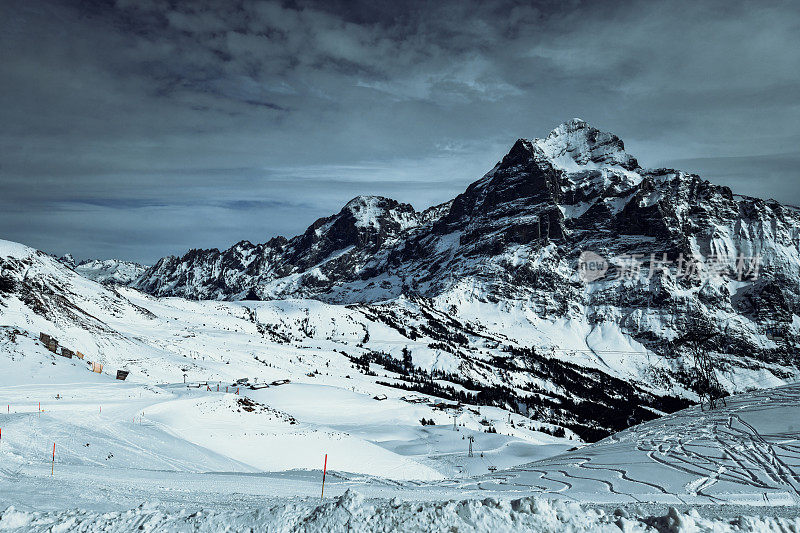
<point>694,456</point>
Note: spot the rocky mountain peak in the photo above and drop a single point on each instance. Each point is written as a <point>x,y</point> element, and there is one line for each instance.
<point>371,211</point>
<point>576,144</point>
<point>68,260</point>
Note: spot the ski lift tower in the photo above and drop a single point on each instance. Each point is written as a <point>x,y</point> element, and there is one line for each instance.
<point>471,440</point>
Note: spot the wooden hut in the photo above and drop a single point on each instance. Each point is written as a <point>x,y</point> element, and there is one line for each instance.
<point>53,345</point>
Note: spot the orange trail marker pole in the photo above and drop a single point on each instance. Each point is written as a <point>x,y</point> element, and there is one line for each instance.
<point>53,466</point>
<point>324,471</point>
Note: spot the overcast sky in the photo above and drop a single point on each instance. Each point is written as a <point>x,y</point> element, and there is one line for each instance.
<point>141,128</point>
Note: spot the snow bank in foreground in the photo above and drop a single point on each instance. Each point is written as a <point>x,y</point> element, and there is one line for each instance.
<point>351,512</point>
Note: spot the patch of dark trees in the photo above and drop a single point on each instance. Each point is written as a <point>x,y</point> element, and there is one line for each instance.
<point>594,404</point>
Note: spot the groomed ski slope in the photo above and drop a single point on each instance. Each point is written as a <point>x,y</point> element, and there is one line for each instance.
<point>289,427</point>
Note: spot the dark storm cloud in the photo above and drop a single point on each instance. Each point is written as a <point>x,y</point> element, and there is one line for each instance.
<point>140,128</point>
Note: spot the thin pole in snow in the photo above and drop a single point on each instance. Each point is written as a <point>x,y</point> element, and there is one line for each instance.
<point>324,471</point>
<point>53,465</point>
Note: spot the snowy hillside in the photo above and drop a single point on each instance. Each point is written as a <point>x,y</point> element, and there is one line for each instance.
<point>488,355</point>
<point>178,457</point>
<point>320,348</point>
<point>395,393</point>
<point>747,451</point>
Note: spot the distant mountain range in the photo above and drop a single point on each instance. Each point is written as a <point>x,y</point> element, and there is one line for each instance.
<point>111,271</point>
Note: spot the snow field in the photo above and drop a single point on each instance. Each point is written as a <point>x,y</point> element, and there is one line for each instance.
<point>110,425</point>
<point>351,512</point>
<point>745,452</point>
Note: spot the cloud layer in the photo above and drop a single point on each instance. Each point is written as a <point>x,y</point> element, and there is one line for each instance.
<point>141,128</point>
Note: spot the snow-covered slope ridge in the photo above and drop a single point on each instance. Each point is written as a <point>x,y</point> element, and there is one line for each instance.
<point>746,451</point>
<point>485,355</point>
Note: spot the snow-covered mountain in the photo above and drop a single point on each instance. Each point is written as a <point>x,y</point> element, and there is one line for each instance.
<point>478,300</point>
<point>108,271</point>
<point>683,255</point>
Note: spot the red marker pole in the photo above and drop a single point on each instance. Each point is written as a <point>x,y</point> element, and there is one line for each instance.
<point>324,471</point>
<point>53,466</point>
